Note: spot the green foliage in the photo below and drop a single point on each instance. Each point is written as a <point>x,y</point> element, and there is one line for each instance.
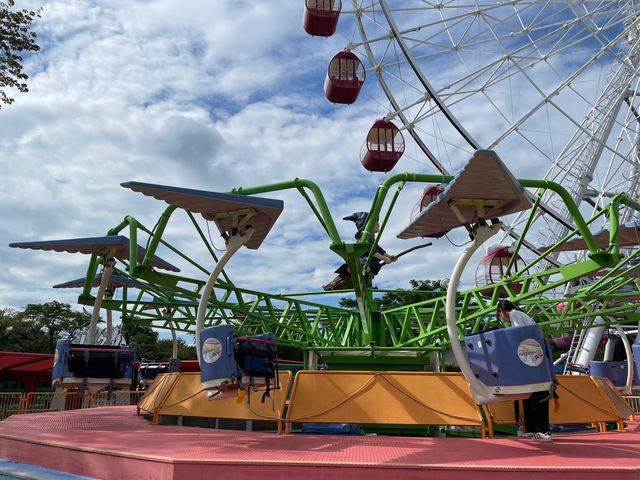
<point>151,347</point>
<point>17,335</point>
<point>348,303</point>
<point>15,37</point>
<point>39,327</point>
<point>420,290</point>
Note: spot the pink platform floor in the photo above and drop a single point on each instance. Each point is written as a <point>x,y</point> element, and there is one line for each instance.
<point>114,443</point>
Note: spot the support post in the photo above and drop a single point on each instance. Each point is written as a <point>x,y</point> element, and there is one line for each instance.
<point>480,235</point>
<point>95,314</point>
<point>234,243</point>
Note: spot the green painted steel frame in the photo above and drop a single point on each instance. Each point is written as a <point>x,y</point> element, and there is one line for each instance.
<point>414,329</point>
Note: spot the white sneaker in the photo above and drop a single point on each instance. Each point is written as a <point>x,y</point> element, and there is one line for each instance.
<point>522,434</point>
<point>542,437</point>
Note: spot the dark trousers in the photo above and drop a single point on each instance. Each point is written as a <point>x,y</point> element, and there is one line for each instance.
<point>536,412</point>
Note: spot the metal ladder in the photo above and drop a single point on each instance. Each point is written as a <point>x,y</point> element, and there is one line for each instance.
<point>577,341</point>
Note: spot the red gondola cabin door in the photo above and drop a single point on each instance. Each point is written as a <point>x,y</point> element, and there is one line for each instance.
<point>384,147</point>
<point>493,267</point>
<point>345,77</point>
<point>321,17</point>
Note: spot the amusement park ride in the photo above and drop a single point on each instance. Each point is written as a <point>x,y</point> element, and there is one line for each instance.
<point>580,297</point>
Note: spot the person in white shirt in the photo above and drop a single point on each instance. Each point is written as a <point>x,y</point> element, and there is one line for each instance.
<point>536,407</point>
<point>514,316</point>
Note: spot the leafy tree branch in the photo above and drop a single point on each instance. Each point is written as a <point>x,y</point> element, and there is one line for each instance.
<point>16,37</point>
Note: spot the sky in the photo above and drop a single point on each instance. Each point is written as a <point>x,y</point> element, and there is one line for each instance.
<point>203,95</point>
<point>200,95</point>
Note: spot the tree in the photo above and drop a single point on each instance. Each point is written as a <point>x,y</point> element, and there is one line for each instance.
<point>149,346</point>
<point>39,327</point>
<point>145,339</point>
<point>420,290</point>
<point>56,320</point>
<point>16,335</point>
<point>15,37</point>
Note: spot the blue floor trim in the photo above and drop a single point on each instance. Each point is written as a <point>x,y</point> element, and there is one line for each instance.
<point>17,470</point>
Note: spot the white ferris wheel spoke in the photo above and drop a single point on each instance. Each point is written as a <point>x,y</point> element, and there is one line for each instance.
<point>545,75</point>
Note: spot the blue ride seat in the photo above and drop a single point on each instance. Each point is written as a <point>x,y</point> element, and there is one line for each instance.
<point>93,366</point>
<point>148,370</point>
<point>616,371</point>
<point>229,362</point>
<point>255,355</point>
<point>511,360</point>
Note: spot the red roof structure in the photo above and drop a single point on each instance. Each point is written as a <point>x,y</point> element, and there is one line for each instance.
<point>30,368</point>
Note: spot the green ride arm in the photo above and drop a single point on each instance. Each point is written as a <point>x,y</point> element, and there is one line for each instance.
<point>425,178</point>
<point>299,183</point>
<point>157,235</point>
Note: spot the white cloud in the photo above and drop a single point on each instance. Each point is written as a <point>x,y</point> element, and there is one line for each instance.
<point>205,95</point>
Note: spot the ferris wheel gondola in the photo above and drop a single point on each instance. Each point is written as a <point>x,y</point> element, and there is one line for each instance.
<point>383,148</point>
<point>345,77</point>
<point>321,17</point>
<point>499,262</point>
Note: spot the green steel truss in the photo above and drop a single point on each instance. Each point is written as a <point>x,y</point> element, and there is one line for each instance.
<point>170,301</point>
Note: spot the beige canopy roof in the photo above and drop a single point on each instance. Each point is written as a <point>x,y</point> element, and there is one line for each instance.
<point>484,188</point>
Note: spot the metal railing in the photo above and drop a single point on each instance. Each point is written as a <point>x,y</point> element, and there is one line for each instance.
<point>16,403</point>
<point>10,403</point>
<point>634,403</point>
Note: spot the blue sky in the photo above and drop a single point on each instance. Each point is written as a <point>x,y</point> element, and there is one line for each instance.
<point>199,95</point>
<point>212,96</point>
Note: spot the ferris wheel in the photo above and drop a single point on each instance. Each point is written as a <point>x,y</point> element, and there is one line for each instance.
<point>552,86</point>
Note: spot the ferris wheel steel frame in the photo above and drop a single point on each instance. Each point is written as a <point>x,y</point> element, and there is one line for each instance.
<point>584,18</point>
